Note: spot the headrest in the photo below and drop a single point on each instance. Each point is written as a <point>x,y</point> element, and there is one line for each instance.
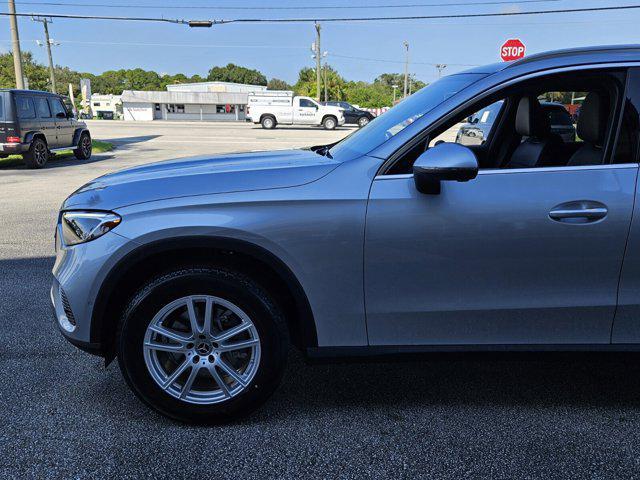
<point>531,120</point>
<point>592,119</point>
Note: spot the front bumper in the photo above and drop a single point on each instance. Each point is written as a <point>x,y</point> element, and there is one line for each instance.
<point>78,275</point>
<point>13,148</point>
<point>65,326</point>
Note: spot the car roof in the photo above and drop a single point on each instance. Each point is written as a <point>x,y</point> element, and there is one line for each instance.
<point>568,57</point>
<point>15,90</point>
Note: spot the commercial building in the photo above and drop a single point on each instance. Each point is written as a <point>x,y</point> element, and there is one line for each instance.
<point>204,101</point>
<point>106,106</point>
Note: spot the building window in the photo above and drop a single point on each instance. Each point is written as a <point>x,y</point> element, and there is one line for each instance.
<point>96,104</point>
<point>225,108</point>
<point>175,108</point>
<point>157,107</point>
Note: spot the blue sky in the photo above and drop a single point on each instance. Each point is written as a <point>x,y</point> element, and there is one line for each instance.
<point>280,50</point>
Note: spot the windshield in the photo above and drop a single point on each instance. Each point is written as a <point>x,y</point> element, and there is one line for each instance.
<point>403,114</point>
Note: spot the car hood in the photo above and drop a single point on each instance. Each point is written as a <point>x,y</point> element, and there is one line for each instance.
<point>201,176</point>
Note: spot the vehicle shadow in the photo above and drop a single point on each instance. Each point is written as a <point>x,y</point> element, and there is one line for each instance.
<point>478,379</point>
<point>54,162</point>
<point>309,127</point>
<point>121,141</point>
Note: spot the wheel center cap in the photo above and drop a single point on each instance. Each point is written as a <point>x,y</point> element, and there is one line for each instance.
<point>203,348</point>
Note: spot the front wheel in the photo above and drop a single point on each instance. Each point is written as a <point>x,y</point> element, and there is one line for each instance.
<point>83,152</point>
<point>202,345</point>
<point>329,123</point>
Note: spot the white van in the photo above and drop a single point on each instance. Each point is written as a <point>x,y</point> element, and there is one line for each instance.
<point>270,108</point>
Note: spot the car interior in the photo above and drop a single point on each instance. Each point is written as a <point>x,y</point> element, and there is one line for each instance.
<point>521,135</point>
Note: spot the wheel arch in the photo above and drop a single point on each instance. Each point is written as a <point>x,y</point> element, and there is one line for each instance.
<point>79,131</point>
<point>270,115</point>
<point>329,115</point>
<point>30,136</point>
<point>128,275</point>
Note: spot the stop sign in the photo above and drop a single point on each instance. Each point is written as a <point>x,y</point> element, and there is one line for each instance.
<point>512,49</point>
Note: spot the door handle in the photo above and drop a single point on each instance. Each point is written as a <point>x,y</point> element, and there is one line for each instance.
<point>584,211</point>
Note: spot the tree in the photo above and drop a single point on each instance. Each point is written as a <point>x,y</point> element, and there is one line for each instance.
<point>236,74</point>
<point>390,79</point>
<point>307,86</point>
<point>277,84</point>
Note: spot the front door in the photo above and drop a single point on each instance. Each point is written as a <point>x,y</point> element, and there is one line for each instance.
<point>64,125</point>
<point>483,262</point>
<point>528,252</point>
<point>305,111</point>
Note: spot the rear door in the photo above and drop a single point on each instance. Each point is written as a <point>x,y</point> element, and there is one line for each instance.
<point>64,124</point>
<point>46,120</point>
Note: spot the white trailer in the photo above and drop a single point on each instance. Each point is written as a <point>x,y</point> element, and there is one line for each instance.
<point>269,108</point>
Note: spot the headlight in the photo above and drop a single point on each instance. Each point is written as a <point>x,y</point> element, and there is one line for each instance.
<point>80,227</point>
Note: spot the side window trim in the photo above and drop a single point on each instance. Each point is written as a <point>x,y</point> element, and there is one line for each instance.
<point>608,149</point>
<point>632,95</point>
<point>396,156</point>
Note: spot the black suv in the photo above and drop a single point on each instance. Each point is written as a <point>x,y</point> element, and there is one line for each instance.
<point>34,124</point>
<point>353,115</point>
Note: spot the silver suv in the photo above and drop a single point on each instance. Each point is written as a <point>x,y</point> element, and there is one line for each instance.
<point>198,274</point>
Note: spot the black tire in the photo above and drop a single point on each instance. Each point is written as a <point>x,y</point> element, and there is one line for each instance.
<point>83,152</point>
<point>231,286</point>
<point>363,121</point>
<point>268,122</point>
<point>329,123</point>
<point>37,155</point>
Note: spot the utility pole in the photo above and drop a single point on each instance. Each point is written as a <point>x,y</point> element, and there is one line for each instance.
<point>395,87</point>
<point>318,61</point>
<point>326,95</point>
<point>406,68</point>
<point>440,67</point>
<point>48,43</point>
<point>15,43</point>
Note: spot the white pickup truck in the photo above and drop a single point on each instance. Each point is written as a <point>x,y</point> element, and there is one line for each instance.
<point>270,108</point>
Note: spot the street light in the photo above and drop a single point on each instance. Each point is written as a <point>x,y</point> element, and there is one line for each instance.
<point>440,67</point>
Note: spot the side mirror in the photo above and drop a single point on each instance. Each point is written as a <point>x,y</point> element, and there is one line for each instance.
<point>444,162</point>
<point>61,115</point>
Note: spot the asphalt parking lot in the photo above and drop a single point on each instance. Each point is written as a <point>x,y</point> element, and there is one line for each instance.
<point>465,416</point>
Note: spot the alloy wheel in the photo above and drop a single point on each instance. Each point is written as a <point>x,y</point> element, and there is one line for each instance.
<point>86,146</point>
<point>202,349</point>
<point>40,153</point>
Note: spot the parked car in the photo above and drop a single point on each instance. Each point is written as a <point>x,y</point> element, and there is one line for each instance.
<point>35,123</point>
<point>198,273</point>
<point>479,125</point>
<point>270,108</point>
<point>353,115</point>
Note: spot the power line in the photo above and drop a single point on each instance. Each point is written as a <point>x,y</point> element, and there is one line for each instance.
<point>297,8</point>
<point>94,17</point>
<point>330,19</point>
<point>428,17</point>
<point>400,61</point>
